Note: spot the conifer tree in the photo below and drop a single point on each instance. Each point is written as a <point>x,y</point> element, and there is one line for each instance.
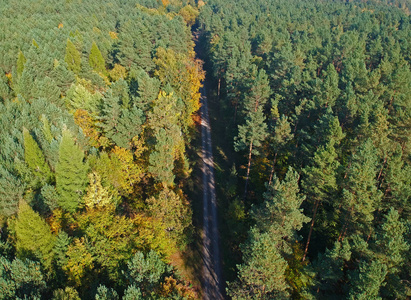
<point>11,191</point>
<point>320,184</point>
<point>21,279</point>
<point>360,195</point>
<point>72,58</point>
<point>162,159</point>
<point>35,159</point>
<point>71,174</point>
<point>280,135</point>
<point>251,135</point>
<point>96,59</point>
<point>277,220</point>
<point>21,60</point>
<point>34,238</point>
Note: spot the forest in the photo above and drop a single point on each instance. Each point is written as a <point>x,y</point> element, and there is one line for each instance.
<point>310,107</point>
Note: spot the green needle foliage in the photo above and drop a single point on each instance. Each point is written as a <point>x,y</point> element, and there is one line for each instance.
<point>71,174</point>
<point>34,238</point>
<point>96,59</point>
<point>72,57</point>
<point>35,159</point>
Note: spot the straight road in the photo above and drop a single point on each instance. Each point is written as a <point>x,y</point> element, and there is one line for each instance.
<point>212,279</point>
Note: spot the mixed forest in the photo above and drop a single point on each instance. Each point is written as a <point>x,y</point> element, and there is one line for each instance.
<point>97,108</point>
<point>310,103</point>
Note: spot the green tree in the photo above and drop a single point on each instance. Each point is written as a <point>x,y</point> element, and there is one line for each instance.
<point>320,183</point>
<point>35,159</point>
<point>11,191</point>
<point>72,57</point>
<point>147,272</point>
<point>278,218</point>
<point>20,279</point>
<point>34,238</point>
<point>21,60</point>
<point>71,174</point>
<point>96,59</point>
<point>360,194</point>
<point>250,136</point>
<point>161,160</point>
<point>104,293</point>
<point>279,136</point>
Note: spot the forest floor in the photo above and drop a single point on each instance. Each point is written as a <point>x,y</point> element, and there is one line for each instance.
<point>212,277</point>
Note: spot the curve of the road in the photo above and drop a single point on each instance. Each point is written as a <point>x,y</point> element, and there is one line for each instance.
<point>212,279</point>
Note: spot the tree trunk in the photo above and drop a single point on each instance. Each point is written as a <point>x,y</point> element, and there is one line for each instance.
<point>317,203</point>
<point>272,168</point>
<point>248,169</point>
<point>218,89</point>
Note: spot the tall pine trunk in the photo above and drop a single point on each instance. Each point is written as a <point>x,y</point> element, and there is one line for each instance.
<point>317,203</point>
<point>273,168</point>
<point>248,169</point>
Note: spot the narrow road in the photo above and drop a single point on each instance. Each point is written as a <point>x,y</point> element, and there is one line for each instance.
<point>212,279</point>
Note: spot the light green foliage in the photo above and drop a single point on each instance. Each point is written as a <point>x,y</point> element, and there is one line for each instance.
<point>34,238</point>
<point>68,293</point>
<point>110,238</point>
<point>71,174</point>
<point>133,293</point>
<point>96,60</point>
<point>173,214</point>
<point>78,97</point>
<point>162,158</point>
<point>146,271</point>
<point>260,276</point>
<point>72,57</point>
<point>35,159</point>
<point>104,293</point>
<point>21,60</point>
<point>20,279</point>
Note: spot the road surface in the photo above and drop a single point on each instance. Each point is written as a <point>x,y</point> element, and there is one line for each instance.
<point>212,279</point>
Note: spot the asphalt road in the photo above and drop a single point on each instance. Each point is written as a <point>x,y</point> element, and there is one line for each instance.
<point>212,279</point>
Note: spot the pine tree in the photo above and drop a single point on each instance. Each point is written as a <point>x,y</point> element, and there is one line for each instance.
<point>96,59</point>
<point>72,58</point>
<point>71,174</point>
<point>277,219</point>
<point>11,191</point>
<point>320,184</point>
<point>147,271</point>
<point>34,238</point>
<point>251,135</point>
<point>21,279</point>
<point>360,194</point>
<point>280,135</point>
<point>35,159</point>
<point>367,281</point>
